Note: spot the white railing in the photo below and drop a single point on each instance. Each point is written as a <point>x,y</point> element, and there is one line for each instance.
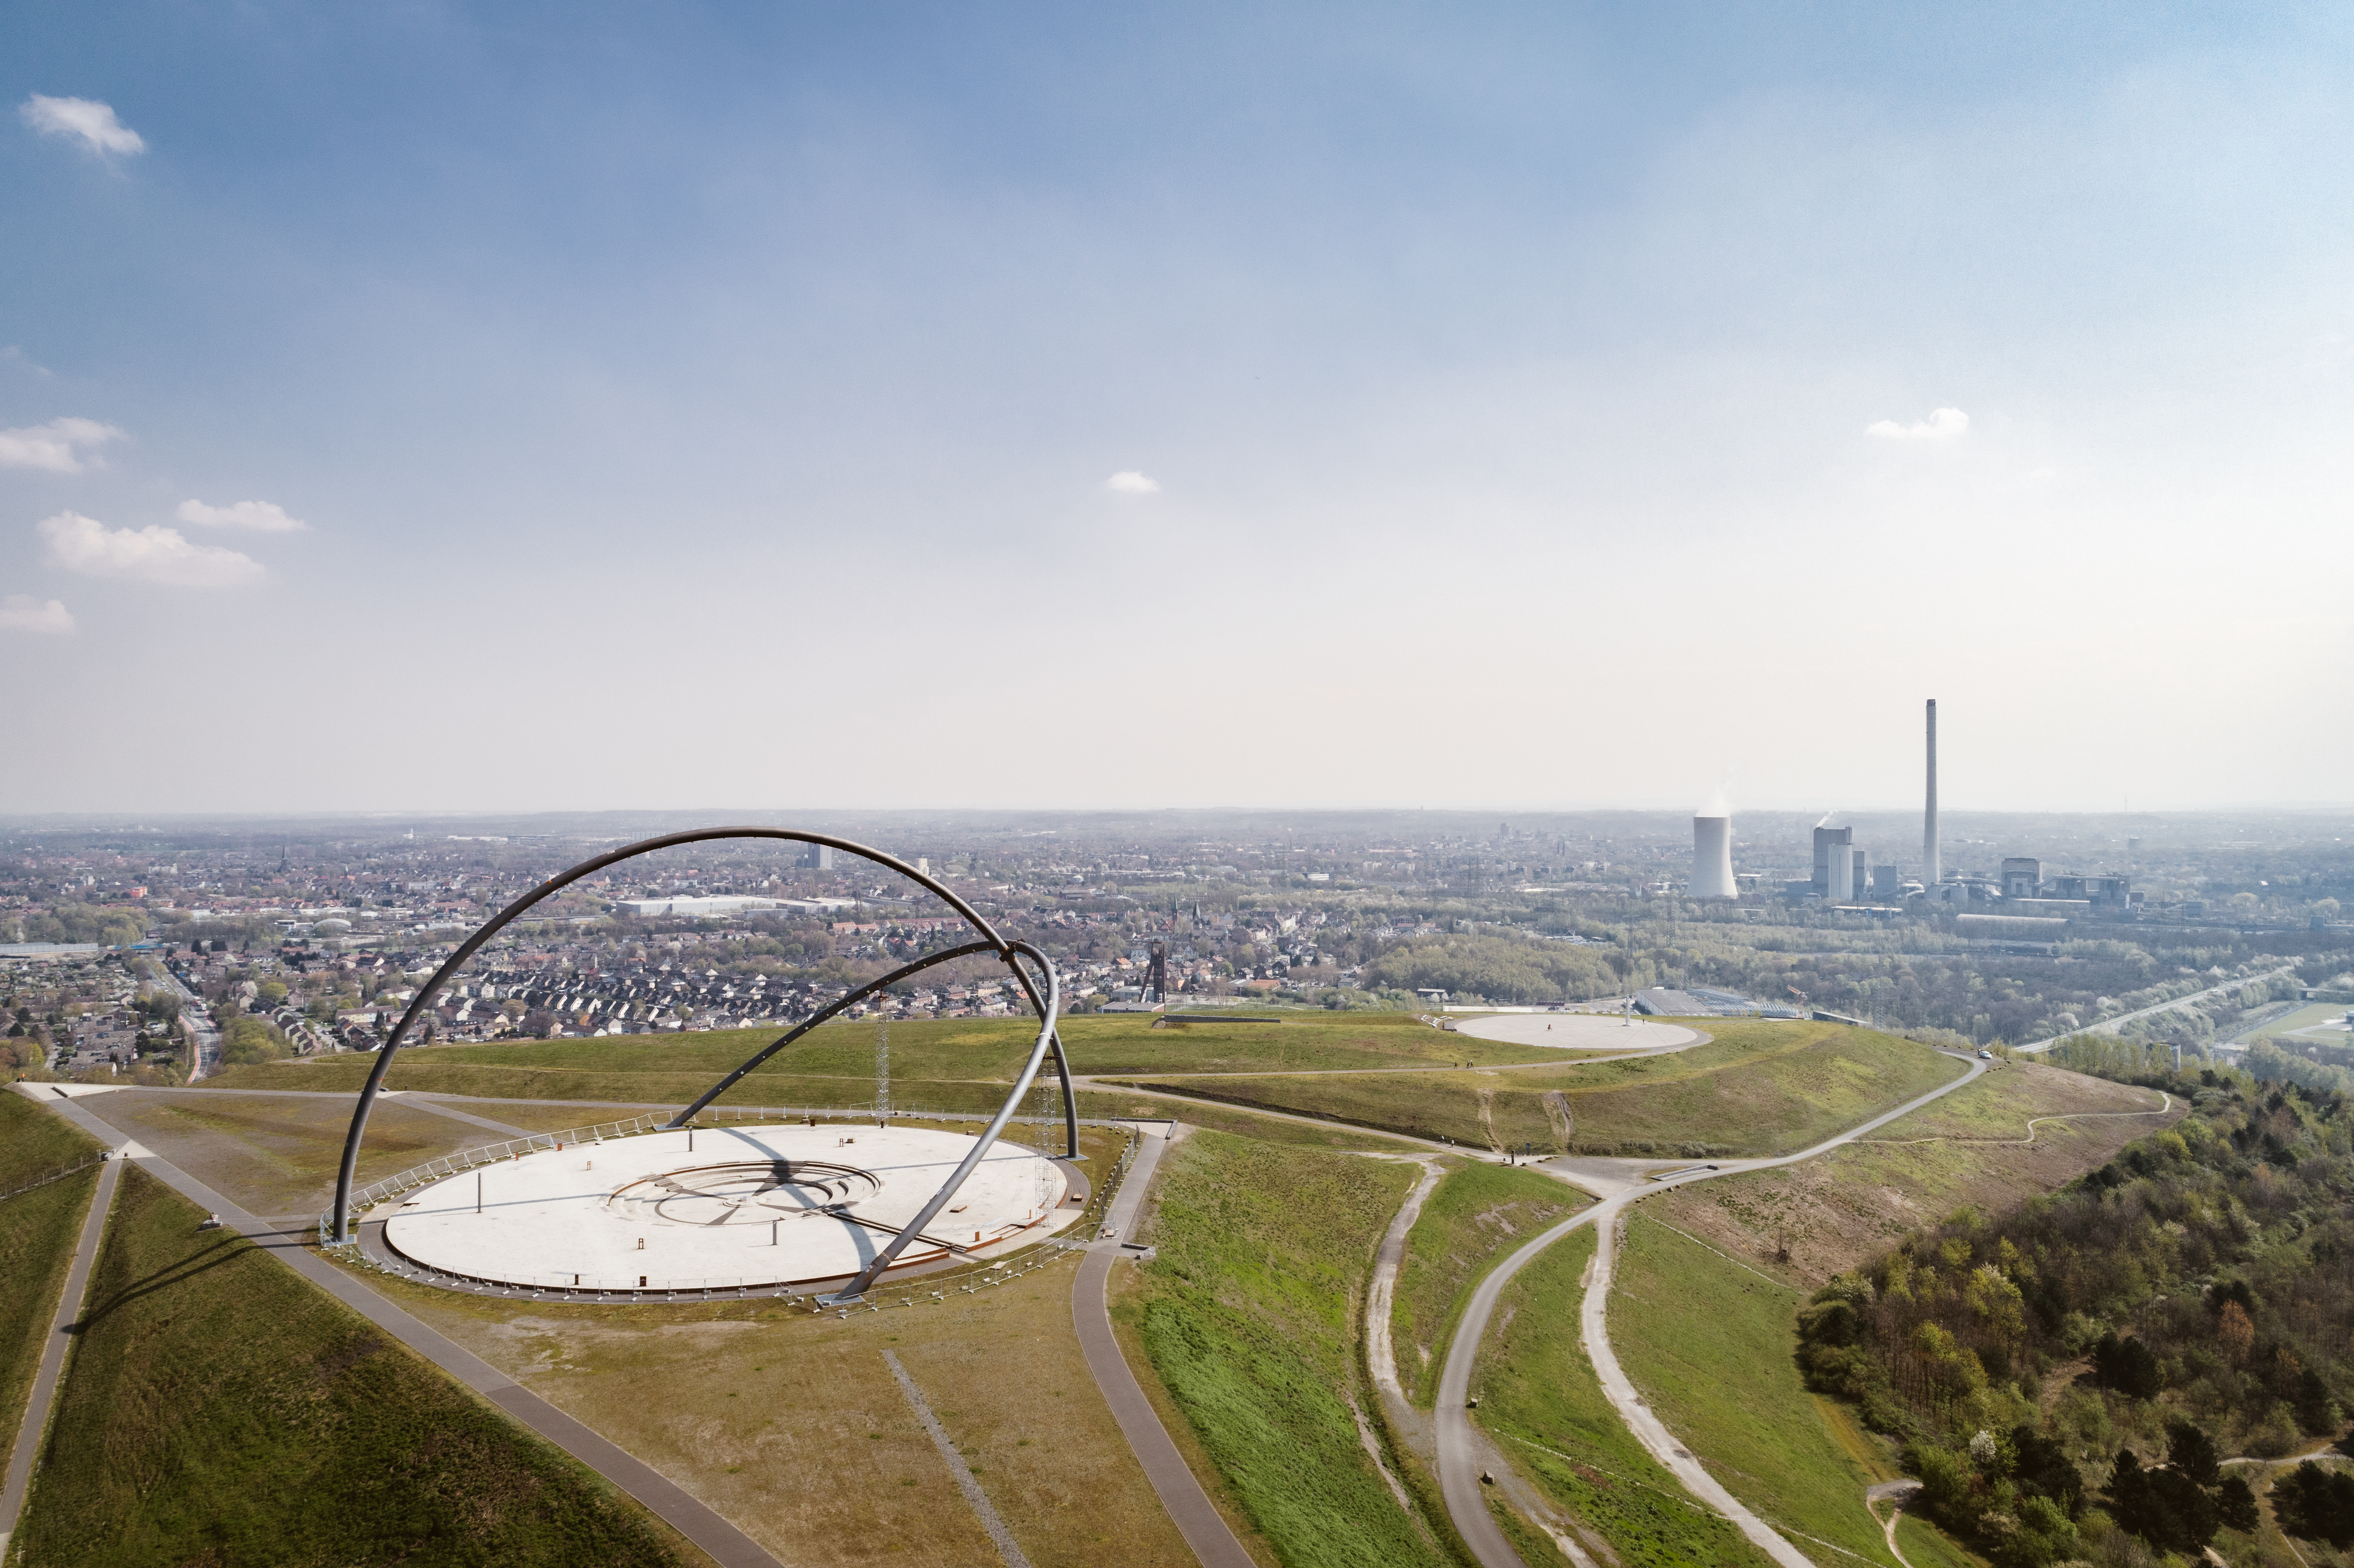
<point>915,1291</point>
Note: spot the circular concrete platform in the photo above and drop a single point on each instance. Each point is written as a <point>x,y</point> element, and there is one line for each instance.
<point>1576,1031</point>
<point>724,1207</point>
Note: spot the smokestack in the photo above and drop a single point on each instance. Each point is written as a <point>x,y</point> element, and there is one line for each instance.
<point>1932,871</point>
<point>1711,874</point>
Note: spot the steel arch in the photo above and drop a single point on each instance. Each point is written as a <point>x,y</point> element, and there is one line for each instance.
<point>1043,990</point>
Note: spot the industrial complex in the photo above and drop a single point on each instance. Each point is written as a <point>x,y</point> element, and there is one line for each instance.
<point>1847,873</point>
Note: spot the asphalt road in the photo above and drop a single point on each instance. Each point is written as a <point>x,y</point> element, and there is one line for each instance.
<point>1459,1445</point>
<point>1197,1518</point>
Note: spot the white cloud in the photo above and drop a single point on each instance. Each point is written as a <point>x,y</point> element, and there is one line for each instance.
<point>151,554</point>
<point>23,612</point>
<point>51,446</point>
<point>1131,482</point>
<point>262,516</point>
<point>1941,425</point>
<point>87,118</point>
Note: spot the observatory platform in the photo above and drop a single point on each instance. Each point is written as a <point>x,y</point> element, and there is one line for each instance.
<point>726,1206</point>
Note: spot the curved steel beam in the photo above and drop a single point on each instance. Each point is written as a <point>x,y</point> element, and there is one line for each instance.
<point>850,1000</point>
<point>1052,1005</point>
<point>466,949</point>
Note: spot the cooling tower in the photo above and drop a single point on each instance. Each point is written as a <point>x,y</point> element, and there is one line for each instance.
<point>1711,874</point>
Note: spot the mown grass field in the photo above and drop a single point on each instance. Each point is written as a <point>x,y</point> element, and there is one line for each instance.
<point>1539,1400</point>
<point>1758,1087</point>
<point>930,1058</point>
<point>1708,1344</point>
<point>219,1409</point>
<point>1249,1316</point>
<point>1472,1220</point>
<point>789,1422</point>
<point>37,1230</point>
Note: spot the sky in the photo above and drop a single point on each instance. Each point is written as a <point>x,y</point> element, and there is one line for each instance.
<point>427,407</point>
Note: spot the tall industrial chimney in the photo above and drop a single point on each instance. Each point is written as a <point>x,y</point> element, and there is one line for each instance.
<point>1711,874</point>
<point>1932,872</point>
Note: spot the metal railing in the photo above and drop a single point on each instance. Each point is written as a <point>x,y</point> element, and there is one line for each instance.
<point>930,1286</point>
<point>59,1174</point>
<point>465,1160</point>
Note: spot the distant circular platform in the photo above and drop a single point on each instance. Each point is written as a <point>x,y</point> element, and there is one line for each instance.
<point>1576,1031</point>
<point>724,1207</point>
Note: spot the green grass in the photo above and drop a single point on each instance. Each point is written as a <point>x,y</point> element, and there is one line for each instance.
<point>1710,1343</point>
<point>33,1140</point>
<point>38,1230</point>
<point>1249,1315</point>
<point>1468,1225</point>
<point>1241,1122</point>
<point>1539,1399</point>
<point>838,1059</point>
<point>218,1409</point>
<point>1757,1088</point>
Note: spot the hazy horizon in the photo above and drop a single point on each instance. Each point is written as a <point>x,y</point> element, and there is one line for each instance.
<point>430,408</point>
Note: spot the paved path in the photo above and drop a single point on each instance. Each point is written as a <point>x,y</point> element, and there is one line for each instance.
<point>728,1545</point>
<point>1197,1518</point>
<point>35,1425</point>
<point>2110,1025</point>
<point>1458,1442</point>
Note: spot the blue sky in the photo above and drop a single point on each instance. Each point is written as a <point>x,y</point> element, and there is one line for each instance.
<point>718,406</point>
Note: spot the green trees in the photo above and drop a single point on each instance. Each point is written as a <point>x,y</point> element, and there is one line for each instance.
<point>2315,1503</point>
<point>2129,1366</point>
<point>249,1040</point>
<point>1500,968</point>
<point>2207,1275</point>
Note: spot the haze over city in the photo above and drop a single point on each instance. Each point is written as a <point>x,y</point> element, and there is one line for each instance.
<point>438,408</point>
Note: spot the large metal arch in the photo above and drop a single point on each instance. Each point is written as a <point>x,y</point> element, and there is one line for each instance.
<point>1043,989</point>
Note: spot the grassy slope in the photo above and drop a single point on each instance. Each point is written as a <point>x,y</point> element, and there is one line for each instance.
<point>1757,1088</point>
<point>1249,1316</point>
<point>789,1422</point>
<point>1470,1222</point>
<point>1539,1399</point>
<point>1834,1211</point>
<point>219,1409</point>
<point>38,1230</point>
<point>277,1155</point>
<point>1708,1344</point>
<point>835,1065</point>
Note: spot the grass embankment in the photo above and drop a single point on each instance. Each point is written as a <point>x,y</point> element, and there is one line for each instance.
<point>38,1230</point>
<point>950,1064</point>
<point>276,1155</point>
<point>219,1409</point>
<point>1833,1213</point>
<point>1539,1399</point>
<point>1758,1087</point>
<point>1249,1316</point>
<point>789,1422</point>
<point>1708,1344</point>
<point>1469,1224</point>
